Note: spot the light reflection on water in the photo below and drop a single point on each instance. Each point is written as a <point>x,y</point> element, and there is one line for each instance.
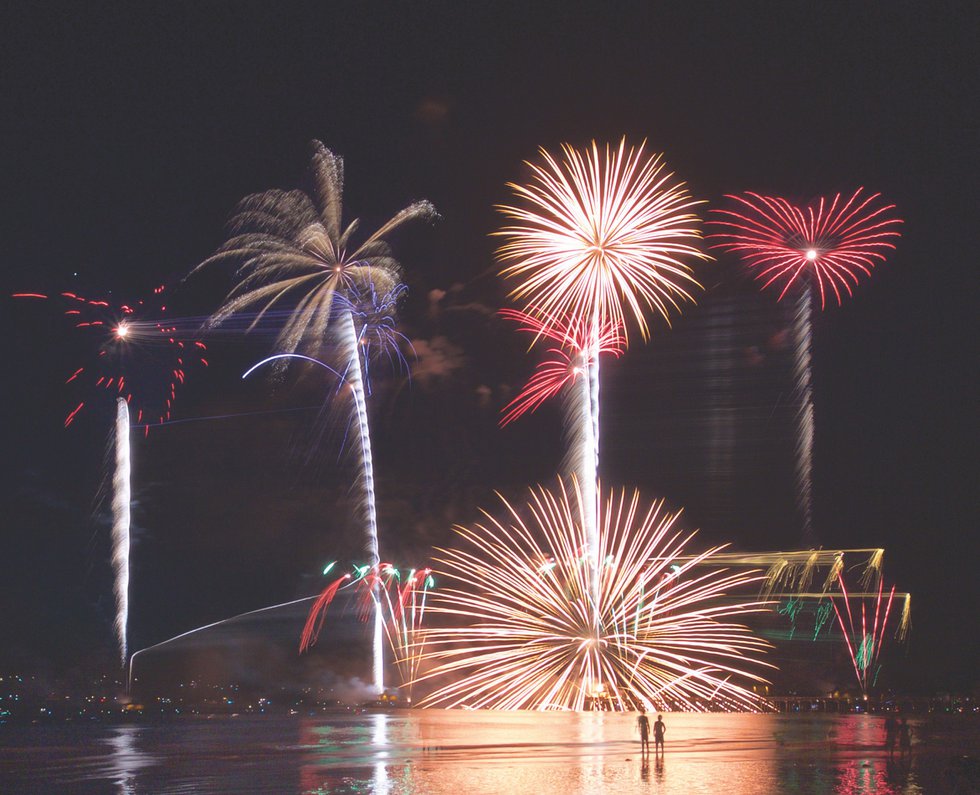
<point>125,758</point>
<point>458,753</point>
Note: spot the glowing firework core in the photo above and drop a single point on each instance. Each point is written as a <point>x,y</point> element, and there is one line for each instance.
<point>122,330</point>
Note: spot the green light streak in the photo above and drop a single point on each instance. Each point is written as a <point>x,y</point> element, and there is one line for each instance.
<point>821,617</point>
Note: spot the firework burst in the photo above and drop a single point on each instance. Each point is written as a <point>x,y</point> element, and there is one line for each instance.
<point>375,315</point>
<point>141,355</point>
<point>291,247</point>
<point>605,232</point>
<point>832,243</point>
<point>532,631</point>
<point>566,360</point>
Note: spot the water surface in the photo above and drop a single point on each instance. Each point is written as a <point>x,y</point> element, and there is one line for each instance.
<point>459,753</point>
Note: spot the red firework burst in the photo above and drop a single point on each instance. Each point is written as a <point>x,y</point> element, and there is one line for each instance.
<point>576,347</point>
<point>830,242</point>
<point>140,355</point>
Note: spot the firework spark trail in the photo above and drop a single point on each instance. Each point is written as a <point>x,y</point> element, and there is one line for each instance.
<point>290,246</point>
<point>142,362</point>
<point>803,380</point>
<point>570,369</point>
<point>279,356</point>
<point>374,312</point>
<point>293,247</point>
<point>367,328</point>
<point>789,573</point>
<point>372,333</point>
<point>565,361</point>
<point>318,612</point>
<point>532,638</point>
<point>582,460</point>
<point>864,645</point>
<point>351,353</point>
<point>121,524</point>
<point>132,659</point>
<point>403,604</point>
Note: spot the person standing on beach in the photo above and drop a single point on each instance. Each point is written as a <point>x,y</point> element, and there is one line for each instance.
<point>905,737</point>
<point>659,729</point>
<point>643,724</point>
<point>891,729</point>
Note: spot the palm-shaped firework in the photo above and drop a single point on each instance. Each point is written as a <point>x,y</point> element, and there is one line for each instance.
<point>292,248</point>
<point>533,630</point>
<point>822,249</point>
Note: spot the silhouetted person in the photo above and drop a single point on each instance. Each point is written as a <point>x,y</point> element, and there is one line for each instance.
<point>659,729</point>
<point>891,729</point>
<point>905,736</point>
<point>643,724</point>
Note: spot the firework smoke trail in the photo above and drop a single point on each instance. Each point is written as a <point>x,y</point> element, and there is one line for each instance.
<point>351,353</point>
<point>527,635</point>
<point>803,379</point>
<point>120,525</point>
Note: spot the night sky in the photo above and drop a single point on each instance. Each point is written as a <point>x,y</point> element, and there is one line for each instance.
<point>130,134</point>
